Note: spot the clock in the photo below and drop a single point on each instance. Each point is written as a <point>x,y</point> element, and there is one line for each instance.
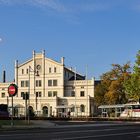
<point>38,67</point>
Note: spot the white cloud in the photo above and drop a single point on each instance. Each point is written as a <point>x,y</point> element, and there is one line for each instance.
<point>52,4</point>
<point>0,39</point>
<point>94,7</point>
<point>70,10</point>
<point>8,2</point>
<point>60,5</point>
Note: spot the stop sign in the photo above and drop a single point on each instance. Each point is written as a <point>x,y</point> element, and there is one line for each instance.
<point>12,89</point>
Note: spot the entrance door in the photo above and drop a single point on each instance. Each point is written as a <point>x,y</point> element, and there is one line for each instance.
<point>45,111</point>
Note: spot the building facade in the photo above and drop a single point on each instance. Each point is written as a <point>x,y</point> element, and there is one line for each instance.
<point>48,88</point>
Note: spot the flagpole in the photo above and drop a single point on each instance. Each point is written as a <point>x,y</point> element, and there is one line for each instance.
<point>75,92</point>
<point>86,91</point>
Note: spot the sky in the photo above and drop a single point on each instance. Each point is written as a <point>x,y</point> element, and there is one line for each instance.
<point>90,34</point>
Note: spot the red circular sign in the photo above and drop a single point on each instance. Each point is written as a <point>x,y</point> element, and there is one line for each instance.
<point>12,89</point>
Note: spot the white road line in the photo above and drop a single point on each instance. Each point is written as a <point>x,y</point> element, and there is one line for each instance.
<point>100,130</point>
<point>9,135</point>
<point>83,131</point>
<point>98,136</point>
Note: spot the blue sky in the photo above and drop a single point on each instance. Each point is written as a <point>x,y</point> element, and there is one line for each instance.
<point>92,33</point>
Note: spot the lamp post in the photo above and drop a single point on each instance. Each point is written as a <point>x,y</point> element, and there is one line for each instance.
<point>35,72</point>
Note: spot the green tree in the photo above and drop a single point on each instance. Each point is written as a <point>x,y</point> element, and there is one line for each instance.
<point>132,84</point>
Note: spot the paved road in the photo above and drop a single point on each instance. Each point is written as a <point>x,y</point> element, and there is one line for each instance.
<point>96,131</point>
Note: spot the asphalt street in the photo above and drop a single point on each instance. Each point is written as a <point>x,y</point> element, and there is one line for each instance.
<point>96,131</point>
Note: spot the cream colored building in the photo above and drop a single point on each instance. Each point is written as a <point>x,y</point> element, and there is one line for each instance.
<point>54,90</point>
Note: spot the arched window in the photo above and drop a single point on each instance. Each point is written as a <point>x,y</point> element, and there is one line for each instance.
<point>82,108</point>
<point>72,108</point>
<point>45,111</point>
<point>30,111</point>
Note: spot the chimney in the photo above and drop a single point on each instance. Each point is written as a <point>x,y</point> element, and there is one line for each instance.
<point>33,53</point>
<point>43,52</point>
<point>62,60</point>
<point>4,76</point>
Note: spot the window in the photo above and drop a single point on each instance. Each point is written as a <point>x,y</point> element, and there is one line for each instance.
<point>49,93</point>
<point>38,94</point>
<point>22,71</point>
<point>50,70</point>
<point>27,83</point>
<point>27,71</point>
<point>22,94</point>
<point>65,94</point>
<point>73,94</point>
<point>3,95</point>
<point>54,82</point>
<point>25,95</point>
<point>49,83</point>
<point>82,93</point>
<point>73,108</point>
<point>38,83</point>
<point>54,93</point>
<point>54,69</point>
<point>82,108</point>
<point>22,83</point>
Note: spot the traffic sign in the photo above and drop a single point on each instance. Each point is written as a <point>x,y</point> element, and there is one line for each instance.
<point>12,89</point>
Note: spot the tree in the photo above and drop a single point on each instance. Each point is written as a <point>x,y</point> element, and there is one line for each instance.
<point>132,84</point>
<point>111,89</point>
<point>100,91</point>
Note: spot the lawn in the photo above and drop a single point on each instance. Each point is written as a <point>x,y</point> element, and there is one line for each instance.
<point>16,122</point>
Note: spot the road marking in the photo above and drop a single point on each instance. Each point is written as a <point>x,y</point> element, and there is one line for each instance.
<point>83,131</point>
<point>100,130</point>
<point>9,135</point>
<point>88,125</point>
<point>98,136</point>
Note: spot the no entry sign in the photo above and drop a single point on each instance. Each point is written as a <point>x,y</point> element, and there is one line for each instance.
<point>12,89</point>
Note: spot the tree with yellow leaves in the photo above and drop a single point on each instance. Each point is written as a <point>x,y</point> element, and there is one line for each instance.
<point>111,89</point>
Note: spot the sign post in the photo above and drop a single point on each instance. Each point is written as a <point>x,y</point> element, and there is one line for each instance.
<point>26,97</point>
<point>12,90</point>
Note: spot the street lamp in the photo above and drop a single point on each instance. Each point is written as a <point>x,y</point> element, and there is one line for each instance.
<point>37,74</point>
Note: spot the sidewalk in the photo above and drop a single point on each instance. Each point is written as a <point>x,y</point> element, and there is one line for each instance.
<point>42,123</point>
<point>33,124</point>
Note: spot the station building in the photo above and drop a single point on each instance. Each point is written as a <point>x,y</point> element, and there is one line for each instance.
<point>49,88</point>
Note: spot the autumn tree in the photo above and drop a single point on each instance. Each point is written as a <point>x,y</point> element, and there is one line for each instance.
<point>111,89</point>
<point>100,91</point>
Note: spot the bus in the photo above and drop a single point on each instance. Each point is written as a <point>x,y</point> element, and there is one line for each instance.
<point>131,110</point>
